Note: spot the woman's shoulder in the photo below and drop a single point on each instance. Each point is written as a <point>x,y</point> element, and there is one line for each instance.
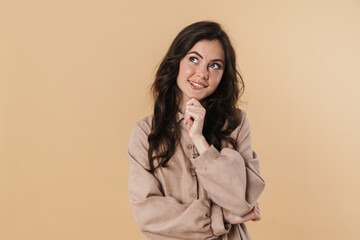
<point>243,126</point>
<point>145,123</point>
<point>141,130</point>
<point>240,115</point>
<point>138,144</point>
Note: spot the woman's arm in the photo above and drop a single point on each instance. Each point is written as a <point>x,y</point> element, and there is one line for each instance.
<point>164,217</point>
<point>231,177</point>
<point>253,215</point>
<point>230,181</point>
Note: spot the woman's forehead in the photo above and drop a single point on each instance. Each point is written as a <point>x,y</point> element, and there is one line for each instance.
<point>209,49</point>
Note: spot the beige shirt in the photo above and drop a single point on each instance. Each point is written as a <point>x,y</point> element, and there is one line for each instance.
<point>185,199</point>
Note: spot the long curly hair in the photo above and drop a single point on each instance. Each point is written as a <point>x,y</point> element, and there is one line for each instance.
<point>220,106</point>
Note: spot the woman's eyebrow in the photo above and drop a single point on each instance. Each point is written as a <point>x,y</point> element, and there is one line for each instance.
<point>196,54</point>
<point>219,61</point>
<point>203,58</point>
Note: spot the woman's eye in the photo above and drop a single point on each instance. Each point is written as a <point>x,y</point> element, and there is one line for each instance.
<point>215,66</point>
<point>194,59</point>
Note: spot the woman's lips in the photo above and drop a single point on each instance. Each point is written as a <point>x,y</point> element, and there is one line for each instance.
<point>196,85</point>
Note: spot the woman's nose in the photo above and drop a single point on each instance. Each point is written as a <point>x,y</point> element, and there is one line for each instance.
<point>203,72</point>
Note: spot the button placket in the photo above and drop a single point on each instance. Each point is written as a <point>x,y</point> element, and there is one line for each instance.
<point>192,171</point>
<point>195,153</point>
<point>192,152</point>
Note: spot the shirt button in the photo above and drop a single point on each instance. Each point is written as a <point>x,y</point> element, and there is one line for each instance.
<point>194,195</point>
<point>189,146</point>
<point>192,171</point>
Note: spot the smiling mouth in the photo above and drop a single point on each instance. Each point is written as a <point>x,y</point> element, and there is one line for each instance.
<point>196,84</point>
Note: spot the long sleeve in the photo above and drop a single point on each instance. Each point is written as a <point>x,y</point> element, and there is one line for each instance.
<point>164,217</point>
<point>232,178</point>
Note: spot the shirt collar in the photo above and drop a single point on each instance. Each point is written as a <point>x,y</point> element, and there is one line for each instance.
<point>179,116</point>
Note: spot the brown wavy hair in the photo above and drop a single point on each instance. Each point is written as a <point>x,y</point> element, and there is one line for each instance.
<point>220,106</point>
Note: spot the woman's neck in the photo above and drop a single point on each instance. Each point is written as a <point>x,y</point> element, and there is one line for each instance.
<point>184,100</point>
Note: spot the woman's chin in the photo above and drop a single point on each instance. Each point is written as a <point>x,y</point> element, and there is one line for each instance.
<point>197,97</point>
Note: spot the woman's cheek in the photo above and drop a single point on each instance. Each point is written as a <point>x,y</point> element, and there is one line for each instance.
<point>190,70</point>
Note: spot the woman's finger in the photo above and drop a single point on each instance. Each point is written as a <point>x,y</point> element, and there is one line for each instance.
<point>196,114</point>
<point>199,109</point>
<point>193,101</point>
<point>189,120</point>
<point>194,107</point>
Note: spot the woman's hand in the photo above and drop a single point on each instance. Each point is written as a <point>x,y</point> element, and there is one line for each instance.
<point>253,215</point>
<point>194,119</point>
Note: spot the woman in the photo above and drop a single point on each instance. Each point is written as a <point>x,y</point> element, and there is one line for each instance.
<point>193,172</point>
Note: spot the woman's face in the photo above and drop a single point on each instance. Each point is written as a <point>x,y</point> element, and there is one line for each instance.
<point>201,69</point>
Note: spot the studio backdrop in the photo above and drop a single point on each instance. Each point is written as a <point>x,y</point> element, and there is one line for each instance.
<point>75,77</point>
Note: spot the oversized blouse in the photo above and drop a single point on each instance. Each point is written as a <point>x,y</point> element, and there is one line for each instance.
<point>185,199</point>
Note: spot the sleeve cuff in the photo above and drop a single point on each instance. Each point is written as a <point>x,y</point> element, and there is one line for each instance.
<point>217,221</point>
<point>203,159</point>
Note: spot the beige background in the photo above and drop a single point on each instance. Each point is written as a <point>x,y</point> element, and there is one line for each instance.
<point>74,78</point>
